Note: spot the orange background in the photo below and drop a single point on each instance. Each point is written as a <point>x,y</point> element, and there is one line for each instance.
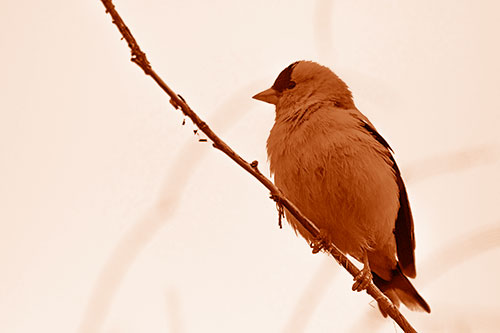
<point>114,218</point>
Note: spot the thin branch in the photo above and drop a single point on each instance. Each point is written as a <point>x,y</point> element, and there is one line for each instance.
<point>473,242</point>
<point>139,58</point>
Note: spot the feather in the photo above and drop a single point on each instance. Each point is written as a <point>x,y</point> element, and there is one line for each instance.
<point>403,231</point>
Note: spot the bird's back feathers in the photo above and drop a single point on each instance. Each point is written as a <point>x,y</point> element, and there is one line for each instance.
<point>405,236</point>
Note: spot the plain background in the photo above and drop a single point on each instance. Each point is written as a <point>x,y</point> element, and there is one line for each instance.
<point>114,218</point>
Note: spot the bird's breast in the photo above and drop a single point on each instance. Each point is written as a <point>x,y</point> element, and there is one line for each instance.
<point>338,177</point>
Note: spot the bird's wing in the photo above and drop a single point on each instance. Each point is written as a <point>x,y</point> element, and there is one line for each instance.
<point>403,231</point>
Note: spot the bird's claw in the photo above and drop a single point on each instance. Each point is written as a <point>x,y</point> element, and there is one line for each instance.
<point>317,246</point>
<point>362,280</point>
<point>320,243</point>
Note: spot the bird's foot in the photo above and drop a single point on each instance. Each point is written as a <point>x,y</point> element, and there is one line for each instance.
<point>317,246</point>
<point>320,243</point>
<point>363,279</point>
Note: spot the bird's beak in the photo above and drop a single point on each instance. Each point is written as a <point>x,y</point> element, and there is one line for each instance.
<point>269,96</point>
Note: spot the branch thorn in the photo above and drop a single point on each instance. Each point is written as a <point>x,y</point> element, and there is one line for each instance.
<point>279,207</point>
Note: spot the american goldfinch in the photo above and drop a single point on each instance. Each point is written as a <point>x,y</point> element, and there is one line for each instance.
<point>331,162</point>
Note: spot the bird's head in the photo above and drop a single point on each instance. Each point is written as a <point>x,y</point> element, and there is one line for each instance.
<point>304,83</point>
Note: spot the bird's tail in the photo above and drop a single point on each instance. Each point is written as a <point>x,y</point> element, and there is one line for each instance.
<point>400,290</point>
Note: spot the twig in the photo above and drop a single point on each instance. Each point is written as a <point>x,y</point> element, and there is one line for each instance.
<point>473,242</point>
<point>139,58</point>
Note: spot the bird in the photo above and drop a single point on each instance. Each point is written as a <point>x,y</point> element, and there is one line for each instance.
<point>329,160</point>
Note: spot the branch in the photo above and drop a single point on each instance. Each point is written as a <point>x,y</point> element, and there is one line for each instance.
<point>139,58</point>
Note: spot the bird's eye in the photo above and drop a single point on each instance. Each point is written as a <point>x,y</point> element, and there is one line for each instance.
<point>291,84</point>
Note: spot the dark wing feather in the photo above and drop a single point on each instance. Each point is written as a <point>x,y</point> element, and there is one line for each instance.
<point>403,231</point>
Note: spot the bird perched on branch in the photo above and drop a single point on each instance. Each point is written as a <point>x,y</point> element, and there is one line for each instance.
<point>330,161</point>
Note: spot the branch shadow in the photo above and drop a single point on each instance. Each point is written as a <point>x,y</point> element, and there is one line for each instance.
<point>142,232</point>
<point>471,245</point>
